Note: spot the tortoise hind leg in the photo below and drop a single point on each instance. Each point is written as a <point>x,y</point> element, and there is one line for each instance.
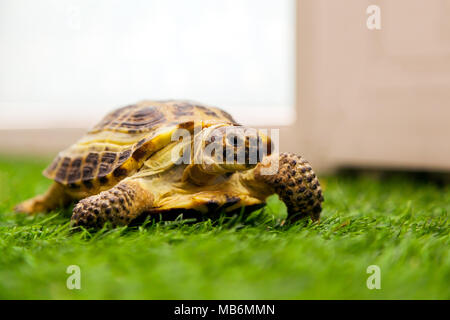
<point>118,205</point>
<point>54,198</point>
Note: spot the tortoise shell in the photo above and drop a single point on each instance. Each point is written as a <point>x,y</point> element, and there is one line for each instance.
<point>124,139</point>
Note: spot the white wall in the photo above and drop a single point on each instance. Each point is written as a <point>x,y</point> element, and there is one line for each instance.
<point>65,63</point>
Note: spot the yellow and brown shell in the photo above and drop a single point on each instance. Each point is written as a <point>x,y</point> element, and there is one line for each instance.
<point>117,146</point>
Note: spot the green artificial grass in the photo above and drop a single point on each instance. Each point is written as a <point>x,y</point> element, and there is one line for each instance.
<point>398,223</point>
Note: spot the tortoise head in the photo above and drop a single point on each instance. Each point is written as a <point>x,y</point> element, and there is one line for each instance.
<point>232,146</point>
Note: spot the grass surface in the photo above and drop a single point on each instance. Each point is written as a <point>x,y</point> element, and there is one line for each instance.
<point>397,223</point>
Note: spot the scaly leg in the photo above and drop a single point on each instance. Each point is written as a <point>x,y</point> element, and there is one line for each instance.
<point>118,205</point>
<point>296,184</point>
<point>54,198</point>
<point>287,174</point>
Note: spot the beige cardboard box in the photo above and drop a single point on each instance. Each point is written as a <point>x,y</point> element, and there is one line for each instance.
<point>373,97</point>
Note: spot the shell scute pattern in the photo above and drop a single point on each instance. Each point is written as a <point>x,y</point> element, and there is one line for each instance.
<point>122,140</point>
<point>183,109</point>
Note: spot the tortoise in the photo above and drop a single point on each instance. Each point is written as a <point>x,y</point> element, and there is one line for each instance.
<point>129,165</point>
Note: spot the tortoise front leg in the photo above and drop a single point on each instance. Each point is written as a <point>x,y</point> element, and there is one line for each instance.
<point>118,205</point>
<point>55,197</point>
<point>295,182</point>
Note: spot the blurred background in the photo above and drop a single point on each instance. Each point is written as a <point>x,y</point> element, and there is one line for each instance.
<point>342,95</point>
